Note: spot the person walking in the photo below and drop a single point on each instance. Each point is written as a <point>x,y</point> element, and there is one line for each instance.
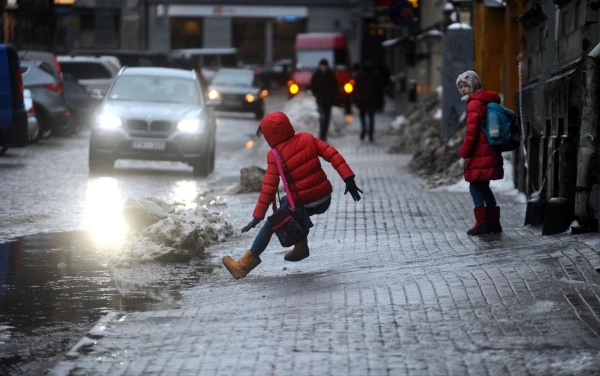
<point>480,162</point>
<point>308,184</point>
<point>324,86</point>
<point>367,90</point>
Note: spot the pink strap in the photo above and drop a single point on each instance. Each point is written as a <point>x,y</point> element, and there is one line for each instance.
<point>285,185</point>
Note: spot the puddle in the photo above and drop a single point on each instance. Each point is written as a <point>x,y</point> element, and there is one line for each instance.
<point>54,287</point>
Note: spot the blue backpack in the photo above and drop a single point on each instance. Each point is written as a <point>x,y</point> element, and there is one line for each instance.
<point>501,128</point>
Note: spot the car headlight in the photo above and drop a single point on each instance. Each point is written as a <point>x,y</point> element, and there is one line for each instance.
<point>213,94</point>
<point>189,125</point>
<point>107,121</point>
<point>250,98</point>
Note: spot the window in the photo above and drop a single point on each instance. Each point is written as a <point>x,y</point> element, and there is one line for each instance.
<point>232,77</point>
<point>85,70</point>
<point>309,59</point>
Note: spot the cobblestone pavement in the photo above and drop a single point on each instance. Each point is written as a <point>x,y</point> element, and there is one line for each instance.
<point>393,286</point>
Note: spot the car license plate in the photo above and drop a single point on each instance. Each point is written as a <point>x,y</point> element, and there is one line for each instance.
<point>148,144</point>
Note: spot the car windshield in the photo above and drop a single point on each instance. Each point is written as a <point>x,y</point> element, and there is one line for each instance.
<point>154,89</point>
<point>234,78</point>
<point>309,59</point>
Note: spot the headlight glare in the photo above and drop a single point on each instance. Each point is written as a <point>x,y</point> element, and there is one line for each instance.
<point>107,121</point>
<point>189,125</point>
<point>250,98</point>
<point>213,94</point>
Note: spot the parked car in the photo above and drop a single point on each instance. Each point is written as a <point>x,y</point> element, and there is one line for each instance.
<point>13,118</point>
<point>91,71</point>
<point>81,102</point>
<point>130,58</point>
<point>47,57</point>
<point>33,127</point>
<point>48,98</point>
<point>239,90</point>
<point>277,74</point>
<point>154,114</point>
<point>206,61</point>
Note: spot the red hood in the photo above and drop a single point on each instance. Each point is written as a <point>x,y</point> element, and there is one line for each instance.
<point>486,96</point>
<point>276,128</point>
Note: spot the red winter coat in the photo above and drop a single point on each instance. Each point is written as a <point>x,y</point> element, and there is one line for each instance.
<point>301,152</point>
<point>483,162</point>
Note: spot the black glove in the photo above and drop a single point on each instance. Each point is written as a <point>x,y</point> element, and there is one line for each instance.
<point>352,188</point>
<point>251,225</point>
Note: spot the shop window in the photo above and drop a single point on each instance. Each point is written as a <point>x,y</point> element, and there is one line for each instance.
<point>186,33</point>
<point>249,37</point>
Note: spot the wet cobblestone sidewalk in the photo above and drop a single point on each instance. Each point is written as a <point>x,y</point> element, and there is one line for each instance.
<point>393,286</point>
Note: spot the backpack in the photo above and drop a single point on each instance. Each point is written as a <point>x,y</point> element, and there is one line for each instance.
<point>501,128</point>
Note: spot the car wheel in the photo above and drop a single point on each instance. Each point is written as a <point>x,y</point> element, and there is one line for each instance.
<point>204,166</point>
<point>348,107</point>
<point>100,163</point>
<point>45,130</point>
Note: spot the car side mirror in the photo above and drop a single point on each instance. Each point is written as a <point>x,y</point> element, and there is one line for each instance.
<point>96,94</point>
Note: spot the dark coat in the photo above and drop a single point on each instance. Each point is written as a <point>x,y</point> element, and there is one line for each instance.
<point>484,163</point>
<point>324,87</point>
<point>367,89</point>
<point>300,151</point>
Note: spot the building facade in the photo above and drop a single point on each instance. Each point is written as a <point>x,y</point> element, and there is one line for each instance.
<point>262,31</point>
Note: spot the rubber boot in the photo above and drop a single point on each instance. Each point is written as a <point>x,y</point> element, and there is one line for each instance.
<point>239,269</point>
<point>480,222</point>
<point>493,219</point>
<point>299,252</point>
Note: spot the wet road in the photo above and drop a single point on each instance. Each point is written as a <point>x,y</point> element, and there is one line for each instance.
<point>54,284</point>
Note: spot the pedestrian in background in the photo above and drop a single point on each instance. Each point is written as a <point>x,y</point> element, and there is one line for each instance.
<point>324,87</point>
<point>367,90</point>
<point>480,162</point>
<point>308,184</point>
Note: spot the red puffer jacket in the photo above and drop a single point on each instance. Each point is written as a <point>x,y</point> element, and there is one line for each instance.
<point>301,152</point>
<point>483,162</point>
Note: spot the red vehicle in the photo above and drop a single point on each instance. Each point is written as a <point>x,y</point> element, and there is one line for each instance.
<point>312,47</point>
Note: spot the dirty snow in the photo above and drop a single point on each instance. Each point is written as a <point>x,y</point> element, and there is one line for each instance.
<point>303,113</point>
<point>179,236</point>
<point>398,123</point>
<point>459,26</point>
<point>438,114</point>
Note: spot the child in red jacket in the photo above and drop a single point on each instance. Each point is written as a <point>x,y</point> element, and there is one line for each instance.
<point>309,186</point>
<point>480,162</point>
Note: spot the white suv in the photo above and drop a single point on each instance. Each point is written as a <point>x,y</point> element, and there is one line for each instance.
<point>93,72</point>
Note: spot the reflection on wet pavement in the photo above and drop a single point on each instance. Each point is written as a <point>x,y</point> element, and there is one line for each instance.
<point>54,286</point>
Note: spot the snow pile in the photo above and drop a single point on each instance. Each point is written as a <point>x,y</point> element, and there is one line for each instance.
<point>419,134</point>
<point>143,212</point>
<point>251,179</point>
<point>177,237</point>
<point>303,113</point>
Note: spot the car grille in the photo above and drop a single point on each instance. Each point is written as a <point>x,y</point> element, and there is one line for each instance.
<point>143,125</point>
<point>137,124</point>
<point>161,126</point>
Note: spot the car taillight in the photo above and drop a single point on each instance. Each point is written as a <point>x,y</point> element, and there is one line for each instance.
<point>20,84</point>
<point>31,111</point>
<point>57,88</point>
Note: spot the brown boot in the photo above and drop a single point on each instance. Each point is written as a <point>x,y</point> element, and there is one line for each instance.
<point>239,269</point>
<point>493,219</point>
<point>299,252</point>
<point>480,222</point>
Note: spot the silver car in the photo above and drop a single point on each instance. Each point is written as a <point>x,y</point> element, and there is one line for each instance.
<point>154,114</point>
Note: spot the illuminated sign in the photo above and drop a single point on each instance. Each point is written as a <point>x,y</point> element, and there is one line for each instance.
<point>64,2</point>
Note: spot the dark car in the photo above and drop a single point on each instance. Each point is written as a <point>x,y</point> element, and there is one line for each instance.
<point>13,116</point>
<point>80,101</point>
<point>154,114</point>
<point>240,90</point>
<point>47,92</point>
<point>277,74</point>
